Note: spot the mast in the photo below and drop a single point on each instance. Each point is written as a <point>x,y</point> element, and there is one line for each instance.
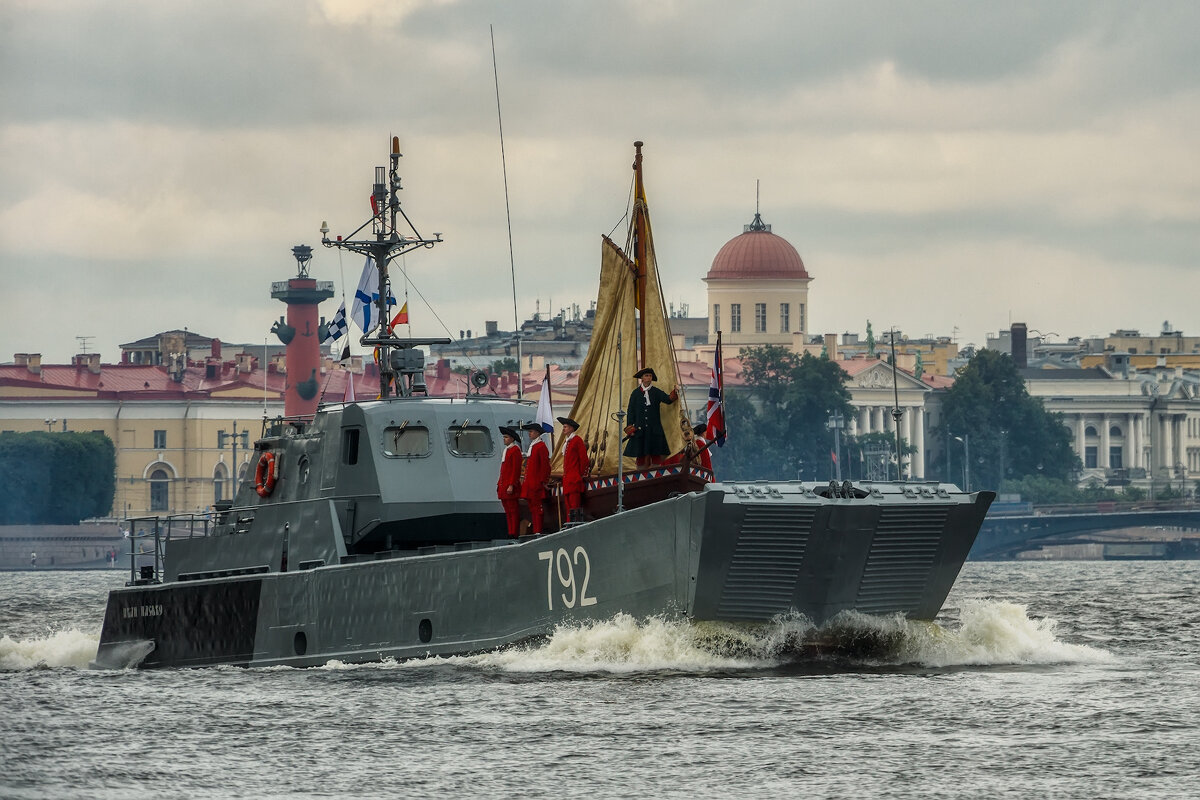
<point>382,245</point>
<point>639,252</point>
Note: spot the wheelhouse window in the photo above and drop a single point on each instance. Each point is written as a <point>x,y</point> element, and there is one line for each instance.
<point>406,441</point>
<point>350,446</point>
<point>469,441</point>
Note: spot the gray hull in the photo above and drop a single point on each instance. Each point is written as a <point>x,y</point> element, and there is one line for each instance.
<point>736,553</point>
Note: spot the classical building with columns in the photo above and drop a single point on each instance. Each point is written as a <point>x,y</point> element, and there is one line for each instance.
<point>874,389</point>
<point>1142,429</point>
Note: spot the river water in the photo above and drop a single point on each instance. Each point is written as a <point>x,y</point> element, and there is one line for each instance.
<point>1039,680</point>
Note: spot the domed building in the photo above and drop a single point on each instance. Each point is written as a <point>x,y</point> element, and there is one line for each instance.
<point>757,289</point>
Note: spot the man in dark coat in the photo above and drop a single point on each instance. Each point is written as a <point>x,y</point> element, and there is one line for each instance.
<point>508,487</point>
<point>644,429</point>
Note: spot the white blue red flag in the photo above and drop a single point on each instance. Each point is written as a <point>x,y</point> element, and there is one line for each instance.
<point>362,311</point>
<point>715,412</point>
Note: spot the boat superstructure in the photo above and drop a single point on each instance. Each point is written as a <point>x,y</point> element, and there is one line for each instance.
<point>372,530</point>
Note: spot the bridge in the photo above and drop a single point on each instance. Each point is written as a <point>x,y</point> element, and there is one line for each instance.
<point>1004,533</point>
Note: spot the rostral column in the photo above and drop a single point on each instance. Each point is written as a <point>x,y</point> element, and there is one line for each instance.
<point>301,334</point>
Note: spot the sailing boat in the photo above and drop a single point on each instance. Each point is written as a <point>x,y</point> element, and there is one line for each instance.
<point>632,331</point>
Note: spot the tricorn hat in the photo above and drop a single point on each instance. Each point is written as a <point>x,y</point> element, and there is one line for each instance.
<point>699,429</point>
<point>507,431</point>
<point>533,426</point>
<point>643,371</point>
<point>569,421</point>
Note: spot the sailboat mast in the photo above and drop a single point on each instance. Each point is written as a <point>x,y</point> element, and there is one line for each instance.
<point>639,251</point>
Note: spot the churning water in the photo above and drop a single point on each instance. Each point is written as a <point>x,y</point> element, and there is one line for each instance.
<point>1038,680</point>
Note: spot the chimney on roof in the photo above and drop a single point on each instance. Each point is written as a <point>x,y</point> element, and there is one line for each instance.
<point>443,369</point>
<point>33,363</point>
<point>831,345</point>
<point>491,326</point>
<point>93,362</point>
<point>216,349</point>
<point>20,359</point>
<point>1020,353</point>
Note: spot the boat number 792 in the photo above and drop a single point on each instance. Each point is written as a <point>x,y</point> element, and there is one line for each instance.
<point>563,564</point>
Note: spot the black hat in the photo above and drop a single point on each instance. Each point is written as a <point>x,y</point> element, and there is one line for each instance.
<point>643,371</point>
<point>507,431</point>
<point>533,426</point>
<point>699,429</point>
<point>569,421</point>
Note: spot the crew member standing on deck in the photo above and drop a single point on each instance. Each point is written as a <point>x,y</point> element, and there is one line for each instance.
<point>647,441</point>
<point>575,466</point>
<point>702,446</point>
<point>508,488</point>
<point>537,472</point>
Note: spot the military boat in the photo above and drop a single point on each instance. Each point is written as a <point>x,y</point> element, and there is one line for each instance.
<point>372,531</point>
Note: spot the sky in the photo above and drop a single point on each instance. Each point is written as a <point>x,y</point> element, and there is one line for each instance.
<point>944,168</point>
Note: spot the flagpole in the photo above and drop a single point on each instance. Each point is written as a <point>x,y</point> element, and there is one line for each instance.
<point>508,215</point>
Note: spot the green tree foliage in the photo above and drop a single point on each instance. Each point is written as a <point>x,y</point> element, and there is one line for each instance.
<point>989,404</point>
<point>55,478</point>
<point>778,427</point>
<point>503,365</point>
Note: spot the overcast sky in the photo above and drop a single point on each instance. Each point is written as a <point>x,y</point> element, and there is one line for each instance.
<point>943,167</point>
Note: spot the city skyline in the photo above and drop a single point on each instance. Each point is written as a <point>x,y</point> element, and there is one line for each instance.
<point>940,169</point>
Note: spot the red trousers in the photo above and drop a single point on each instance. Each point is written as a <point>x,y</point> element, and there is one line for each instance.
<point>512,514</point>
<point>535,514</point>
<point>573,499</point>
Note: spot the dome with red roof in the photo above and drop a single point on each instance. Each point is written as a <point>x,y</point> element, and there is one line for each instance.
<point>757,253</point>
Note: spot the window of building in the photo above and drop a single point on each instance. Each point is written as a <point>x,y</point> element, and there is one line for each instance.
<point>716,317</point>
<point>350,446</point>
<point>220,479</point>
<point>1115,458</point>
<point>470,441</point>
<point>160,440</point>
<point>160,485</point>
<point>1089,456</point>
<point>735,317</point>
<point>406,441</point>
<point>760,317</point>
<point>785,314</point>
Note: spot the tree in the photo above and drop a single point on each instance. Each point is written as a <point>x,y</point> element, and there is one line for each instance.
<point>779,424</point>
<point>55,478</point>
<point>508,364</point>
<point>990,406</point>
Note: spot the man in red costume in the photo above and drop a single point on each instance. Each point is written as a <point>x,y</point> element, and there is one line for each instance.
<point>702,446</point>
<point>575,466</point>
<point>508,488</point>
<point>537,472</point>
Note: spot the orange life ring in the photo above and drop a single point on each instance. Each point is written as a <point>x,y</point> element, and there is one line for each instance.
<point>265,474</point>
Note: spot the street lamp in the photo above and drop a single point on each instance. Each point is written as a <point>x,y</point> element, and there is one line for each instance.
<point>837,422</point>
<point>50,424</point>
<point>1003,442</point>
<point>966,440</point>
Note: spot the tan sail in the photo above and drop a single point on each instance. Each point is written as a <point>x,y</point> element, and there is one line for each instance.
<point>606,378</point>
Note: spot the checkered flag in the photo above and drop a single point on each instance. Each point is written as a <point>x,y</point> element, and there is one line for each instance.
<point>337,327</point>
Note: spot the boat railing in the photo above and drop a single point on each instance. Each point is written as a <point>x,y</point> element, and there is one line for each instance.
<point>148,537</point>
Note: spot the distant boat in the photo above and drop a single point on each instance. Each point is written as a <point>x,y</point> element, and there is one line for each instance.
<point>372,529</point>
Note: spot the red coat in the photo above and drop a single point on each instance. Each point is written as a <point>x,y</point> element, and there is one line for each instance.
<point>705,458</point>
<point>575,464</point>
<point>537,471</point>
<point>510,473</point>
